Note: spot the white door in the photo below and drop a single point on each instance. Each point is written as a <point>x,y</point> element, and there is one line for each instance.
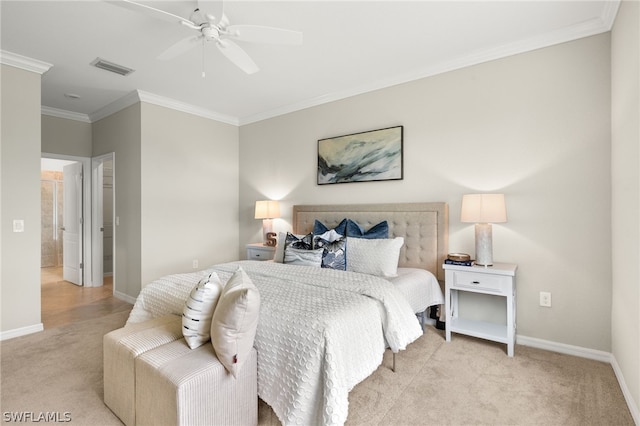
<point>72,224</point>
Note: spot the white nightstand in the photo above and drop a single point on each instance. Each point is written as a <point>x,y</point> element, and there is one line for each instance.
<point>497,280</point>
<point>258,251</point>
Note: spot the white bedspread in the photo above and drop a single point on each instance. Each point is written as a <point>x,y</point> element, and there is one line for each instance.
<point>321,332</point>
<point>419,286</point>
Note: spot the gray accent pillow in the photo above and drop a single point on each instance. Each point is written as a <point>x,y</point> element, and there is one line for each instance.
<point>294,256</point>
<point>334,254</point>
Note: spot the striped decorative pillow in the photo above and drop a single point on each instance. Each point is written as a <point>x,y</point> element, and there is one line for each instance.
<point>198,310</point>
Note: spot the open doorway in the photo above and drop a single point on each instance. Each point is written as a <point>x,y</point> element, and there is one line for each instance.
<point>56,233</point>
<point>70,278</point>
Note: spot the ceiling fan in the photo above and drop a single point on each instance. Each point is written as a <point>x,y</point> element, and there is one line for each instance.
<point>209,20</point>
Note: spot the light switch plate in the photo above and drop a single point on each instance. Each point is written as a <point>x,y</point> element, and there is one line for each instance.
<point>18,225</point>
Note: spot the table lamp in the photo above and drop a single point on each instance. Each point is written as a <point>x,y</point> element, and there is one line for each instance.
<point>483,210</point>
<point>267,211</point>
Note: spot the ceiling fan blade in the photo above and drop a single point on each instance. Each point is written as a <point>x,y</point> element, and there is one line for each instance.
<point>262,34</point>
<point>148,10</point>
<point>180,47</point>
<point>237,55</point>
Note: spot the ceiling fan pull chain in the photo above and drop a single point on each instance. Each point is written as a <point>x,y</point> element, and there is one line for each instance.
<point>203,75</point>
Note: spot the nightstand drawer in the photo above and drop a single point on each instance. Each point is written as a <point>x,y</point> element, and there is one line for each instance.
<point>259,255</point>
<point>481,282</point>
<point>258,251</point>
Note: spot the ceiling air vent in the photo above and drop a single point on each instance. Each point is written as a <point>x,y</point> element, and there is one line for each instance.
<point>110,66</point>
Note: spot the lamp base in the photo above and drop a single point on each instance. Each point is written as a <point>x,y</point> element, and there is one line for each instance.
<point>484,244</point>
<point>267,232</point>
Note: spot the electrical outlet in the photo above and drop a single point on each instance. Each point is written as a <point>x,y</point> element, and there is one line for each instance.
<point>545,299</point>
<point>195,264</point>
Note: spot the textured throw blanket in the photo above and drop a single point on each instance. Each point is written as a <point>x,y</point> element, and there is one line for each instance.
<point>321,332</point>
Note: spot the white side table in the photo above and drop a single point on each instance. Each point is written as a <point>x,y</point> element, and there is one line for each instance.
<point>497,280</point>
<point>258,251</point>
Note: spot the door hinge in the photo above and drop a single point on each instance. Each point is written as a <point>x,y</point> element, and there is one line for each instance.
<point>82,266</point>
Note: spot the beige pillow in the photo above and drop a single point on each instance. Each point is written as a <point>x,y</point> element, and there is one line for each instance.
<point>198,310</point>
<point>235,321</point>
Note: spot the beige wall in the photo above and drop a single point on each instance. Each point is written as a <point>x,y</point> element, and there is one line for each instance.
<point>20,199</point>
<point>68,137</point>
<point>535,126</point>
<point>189,192</point>
<point>625,195</point>
<point>120,133</point>
<point>176,186</point>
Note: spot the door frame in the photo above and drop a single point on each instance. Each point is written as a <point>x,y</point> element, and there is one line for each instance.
<point>86,212</point>
<point>97,262</point>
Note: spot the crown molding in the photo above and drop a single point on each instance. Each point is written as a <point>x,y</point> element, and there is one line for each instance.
<point>142,96</point>
<point>609,13</point>
<point>595,26</point>
<point>184,107</point>
<point>23,62</point>
<point>119,104</point>
<point>61,113</point>
<point>592,27</point>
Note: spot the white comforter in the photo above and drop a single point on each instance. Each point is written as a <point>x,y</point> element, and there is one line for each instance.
<point>321,332</point>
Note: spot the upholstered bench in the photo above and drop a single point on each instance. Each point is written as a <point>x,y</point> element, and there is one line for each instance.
<point>176,385</point>
<point>196,369</point>
<point>120,349</point>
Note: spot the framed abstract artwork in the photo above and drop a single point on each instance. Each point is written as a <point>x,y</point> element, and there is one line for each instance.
<point>361,157</point>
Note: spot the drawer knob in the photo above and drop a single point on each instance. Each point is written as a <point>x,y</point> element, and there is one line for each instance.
<point>475,282</point>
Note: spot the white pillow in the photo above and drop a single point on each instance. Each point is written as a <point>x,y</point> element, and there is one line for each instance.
<point>294,256</point>
<point>235,321</point>
<point>375,257</point>
<point>331,235</point>
<point>279,256</point>
<point>198,310</point>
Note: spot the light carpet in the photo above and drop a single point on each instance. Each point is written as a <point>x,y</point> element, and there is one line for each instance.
<point>464,382</point>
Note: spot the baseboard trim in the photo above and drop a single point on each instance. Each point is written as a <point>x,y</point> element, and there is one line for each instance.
<point>589,354</point>
<point>125,297</point>
<point>564,348</point>
<point>22,331</point>
<point>633,408</point>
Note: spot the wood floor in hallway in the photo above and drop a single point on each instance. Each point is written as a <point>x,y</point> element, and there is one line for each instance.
<point>65,303</point>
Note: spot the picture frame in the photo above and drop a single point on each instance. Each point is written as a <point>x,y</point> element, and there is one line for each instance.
<point>375,155</point>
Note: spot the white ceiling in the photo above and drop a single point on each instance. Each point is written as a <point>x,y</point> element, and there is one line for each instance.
<point>349,48</point>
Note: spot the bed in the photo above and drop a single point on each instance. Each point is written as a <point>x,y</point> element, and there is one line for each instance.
<point>323,331</point>
<point>424,227</point>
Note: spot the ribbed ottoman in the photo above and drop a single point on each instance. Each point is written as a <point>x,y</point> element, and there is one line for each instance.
<point>176,385</point>
<point>120,349</point>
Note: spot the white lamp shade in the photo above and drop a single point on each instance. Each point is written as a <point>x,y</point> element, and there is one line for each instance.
<point>483,208</point>
<point>267,209</point>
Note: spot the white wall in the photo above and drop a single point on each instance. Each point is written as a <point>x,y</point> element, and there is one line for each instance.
<point>535,126</point>
<point>20,199</point>
<point>625,112</point>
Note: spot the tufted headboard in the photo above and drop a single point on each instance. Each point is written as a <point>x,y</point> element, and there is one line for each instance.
<point>424,226</point>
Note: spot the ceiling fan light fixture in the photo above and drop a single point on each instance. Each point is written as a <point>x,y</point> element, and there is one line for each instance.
<point>112,67</point>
